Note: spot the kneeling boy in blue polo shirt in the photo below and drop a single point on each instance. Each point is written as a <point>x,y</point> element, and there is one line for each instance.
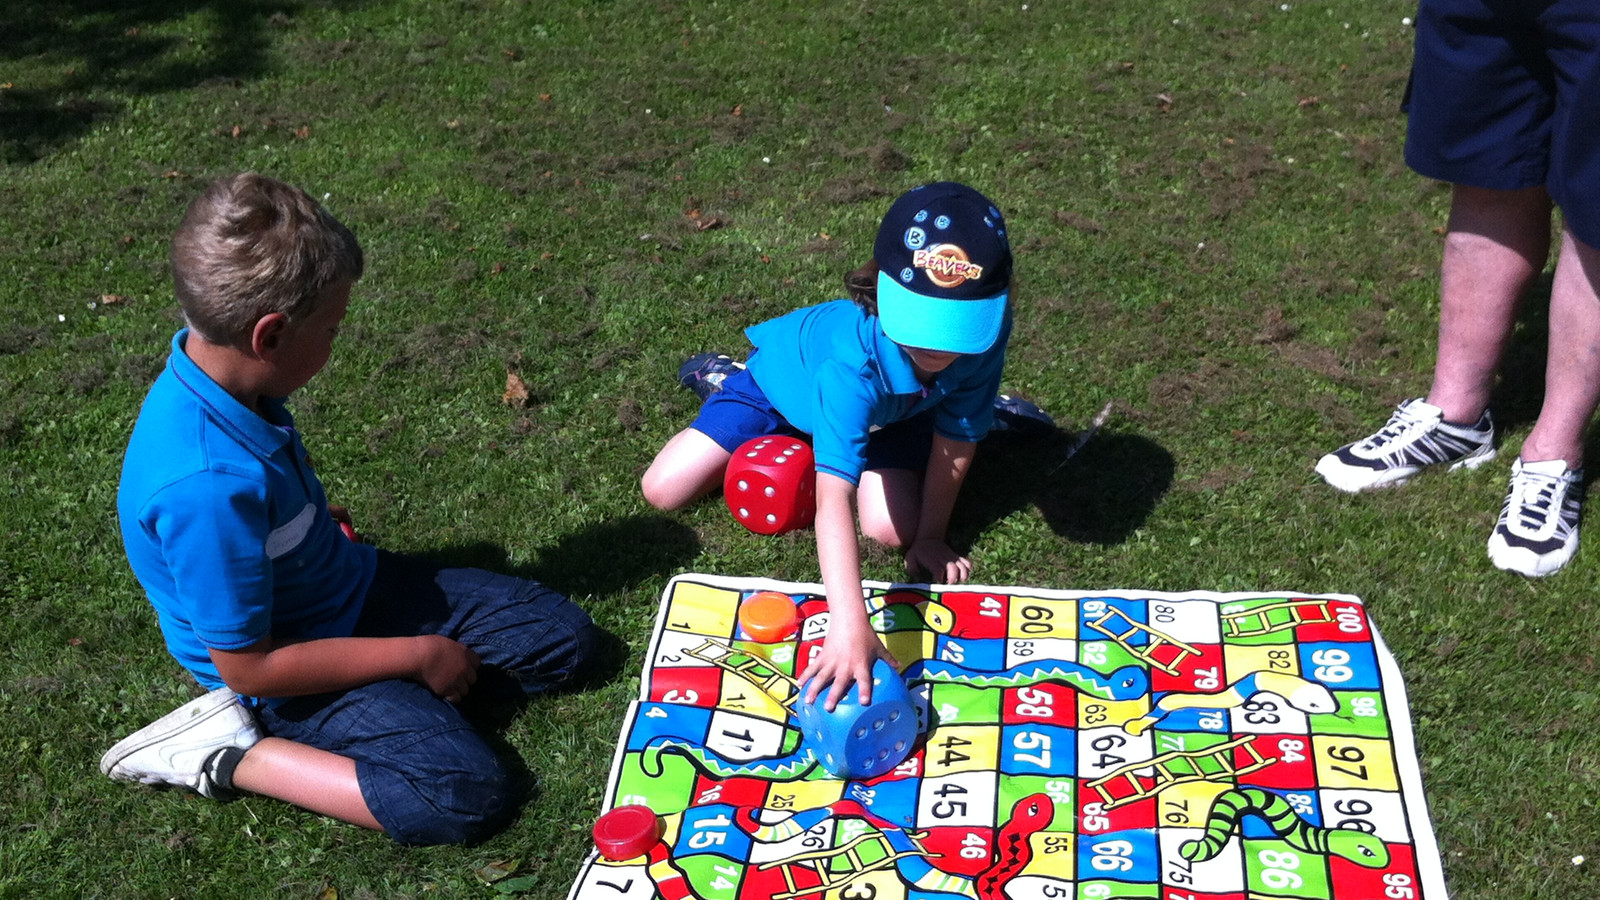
<point>895,387</point>
<point>334,668</point>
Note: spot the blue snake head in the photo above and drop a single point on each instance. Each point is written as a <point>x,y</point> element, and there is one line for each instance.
<point>1129,682</point>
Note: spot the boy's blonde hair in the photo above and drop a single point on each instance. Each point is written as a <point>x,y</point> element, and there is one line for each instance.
<point>252,245</point>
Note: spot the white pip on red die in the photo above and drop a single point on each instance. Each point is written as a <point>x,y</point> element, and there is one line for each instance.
<point>771,484</point>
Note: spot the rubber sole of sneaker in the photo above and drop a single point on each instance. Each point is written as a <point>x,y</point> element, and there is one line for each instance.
<point>1354,480</point>
<point>1522,561</point>
<point>161,730</point>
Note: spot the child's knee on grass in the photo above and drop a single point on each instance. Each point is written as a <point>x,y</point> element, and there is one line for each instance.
<point>687,468</point>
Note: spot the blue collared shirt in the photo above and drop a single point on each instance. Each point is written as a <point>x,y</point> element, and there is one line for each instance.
<point>832,372</point>
<point>227,527</point>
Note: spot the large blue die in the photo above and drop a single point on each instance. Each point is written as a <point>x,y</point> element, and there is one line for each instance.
<point>860,742</point>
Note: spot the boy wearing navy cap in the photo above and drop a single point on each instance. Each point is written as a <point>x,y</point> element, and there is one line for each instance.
<point>895,387</point>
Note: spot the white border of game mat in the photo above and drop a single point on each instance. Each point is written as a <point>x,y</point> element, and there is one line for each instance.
<point>1429,866</point>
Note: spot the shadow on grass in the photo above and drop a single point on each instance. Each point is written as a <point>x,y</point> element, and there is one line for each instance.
<point>1519,393</point>
<point>96,48</point>
<point>1098,496</point>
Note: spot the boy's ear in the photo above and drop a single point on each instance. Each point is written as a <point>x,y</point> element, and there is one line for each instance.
<point>267,337</point>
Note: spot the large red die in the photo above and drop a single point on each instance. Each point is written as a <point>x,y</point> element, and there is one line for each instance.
<point>771,484</point>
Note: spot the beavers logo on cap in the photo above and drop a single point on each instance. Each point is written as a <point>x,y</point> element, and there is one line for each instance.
<point>947,265</point>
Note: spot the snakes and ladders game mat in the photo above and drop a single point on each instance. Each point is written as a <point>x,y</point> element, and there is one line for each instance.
<point>1077,745</point>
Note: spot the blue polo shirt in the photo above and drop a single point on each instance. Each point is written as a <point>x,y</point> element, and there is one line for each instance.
<point>832,372</point>
<point>226,526</point>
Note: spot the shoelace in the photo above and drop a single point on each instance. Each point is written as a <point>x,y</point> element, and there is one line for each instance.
<point>1535,500</point>
<point>1402,421</point>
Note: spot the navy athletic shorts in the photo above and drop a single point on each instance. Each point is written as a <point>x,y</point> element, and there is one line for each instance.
<point>1505,94</point>
<point>741,411</point>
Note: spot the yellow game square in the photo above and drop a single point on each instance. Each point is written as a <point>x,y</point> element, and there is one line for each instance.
<point>1038,617</point>
<point>741,695</point>
<point>1352,762</point>
<point>1095,713</point>
<point>962,748</point>
<point>909,646</point>
<point>702,609</point>
<point>1186,805</point>
<point>1053,855</point>
<point>1242,660</point>
<point>794,796</point>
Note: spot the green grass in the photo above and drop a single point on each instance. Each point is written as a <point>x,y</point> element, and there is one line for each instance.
<point>1213,226</point>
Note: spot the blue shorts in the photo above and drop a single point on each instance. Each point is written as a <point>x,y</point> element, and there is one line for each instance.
<point>741,411</point>
<point>1503,96</point>
<point>426,774</point>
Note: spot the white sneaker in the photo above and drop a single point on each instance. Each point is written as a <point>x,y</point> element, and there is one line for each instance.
<point>181,748</point>
<point>1415,437</point>
<point>1538,529</point>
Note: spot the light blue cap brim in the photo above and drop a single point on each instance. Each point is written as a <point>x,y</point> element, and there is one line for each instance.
<point>932,323</point>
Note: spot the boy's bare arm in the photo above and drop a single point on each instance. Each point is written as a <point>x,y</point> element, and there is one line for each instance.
<point>851,646</point>
<point>947,469</point>
<point>291,669</point>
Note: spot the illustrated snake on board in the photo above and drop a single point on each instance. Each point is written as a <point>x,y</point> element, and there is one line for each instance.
<point>1359,847</point>
<point>1012,849</point>
<point>1125,683</point>
<point>1306,696</point>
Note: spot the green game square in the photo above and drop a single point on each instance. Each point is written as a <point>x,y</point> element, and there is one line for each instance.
<point>1347,722</point>
<point>972,705</point>
<point>896,617</point>
<point>1115,657</point>
<point>763,652</point>
<point>1286,636</point>
<point>1105,889</point>
<point>1304,876</point>
<point>713,877</point>
<point>1061,790</point>
<point>666,793</point>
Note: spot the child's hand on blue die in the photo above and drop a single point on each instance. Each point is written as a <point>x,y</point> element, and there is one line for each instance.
<point>935,558</point>
<point>846,658</point>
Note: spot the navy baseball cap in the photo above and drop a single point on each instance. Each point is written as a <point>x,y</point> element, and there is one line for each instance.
<point>944,269</point>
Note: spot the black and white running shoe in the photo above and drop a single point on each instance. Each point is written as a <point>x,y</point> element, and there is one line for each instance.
<point>704,373</point>
<point>1538,529</point>
<point>1415,437</point>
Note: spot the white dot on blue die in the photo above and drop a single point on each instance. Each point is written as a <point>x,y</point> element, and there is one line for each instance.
<point>915,238</point>
<point>907,274</point>
<point>942,222</point>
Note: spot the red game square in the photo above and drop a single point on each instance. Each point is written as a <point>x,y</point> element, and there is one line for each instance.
<point>689,685</point>
<point>1096,816</point>
<point>1197,674</point>
<point>978,615</point>
<point>1347,622</point>
<point>960,849</point>
<point>735,791</point>
<point>1292,765</point>
<point>1040,704</point>
<point>1397,880</point>
<point>760,882</point>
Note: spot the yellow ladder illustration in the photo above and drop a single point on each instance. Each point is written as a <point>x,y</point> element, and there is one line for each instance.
<point>780,687</point>
<point>1277,617</point>
<point>1214,763</point>
<point>1147,652</point>
<point>855,867</point>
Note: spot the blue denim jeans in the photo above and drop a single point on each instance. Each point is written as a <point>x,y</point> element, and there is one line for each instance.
<point>427,775</point>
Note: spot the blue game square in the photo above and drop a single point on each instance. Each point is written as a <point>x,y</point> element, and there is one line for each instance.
<point>1123,615</point>
<point>711,829</point>
<point>1340,665</point>
<point>674,720</point>
<point>1038,750</point>
<point>1132,855</point>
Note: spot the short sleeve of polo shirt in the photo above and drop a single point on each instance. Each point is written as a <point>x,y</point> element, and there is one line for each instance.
<point>205,526</point>
<point>842,412</point>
